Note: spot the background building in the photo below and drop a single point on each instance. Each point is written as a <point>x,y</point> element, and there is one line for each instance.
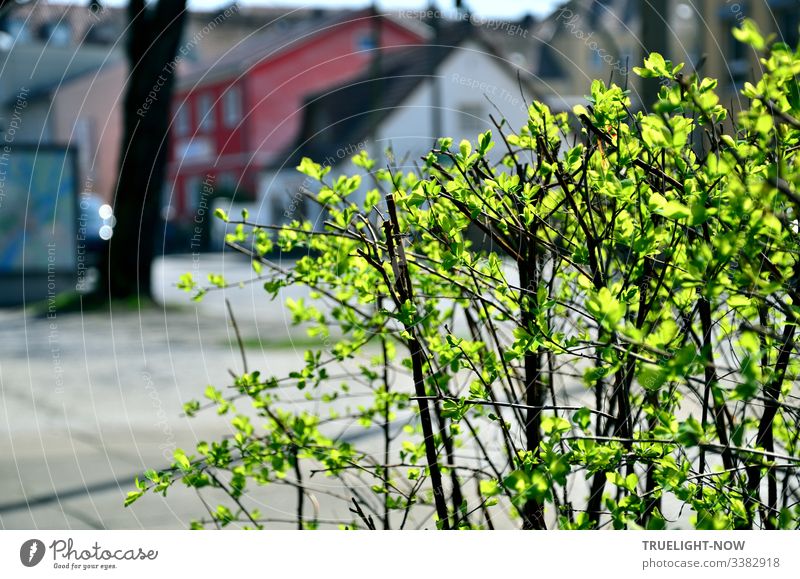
<point>236,113</point>
<point>402,104</point>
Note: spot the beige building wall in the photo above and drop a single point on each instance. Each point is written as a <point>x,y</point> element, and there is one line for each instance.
<point>727,59</point>
<point>585,46</point>
<point>87,113</point>
<point>579,43</point>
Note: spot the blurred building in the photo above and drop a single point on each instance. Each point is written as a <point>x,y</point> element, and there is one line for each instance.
<point>236,113</point>
<point>396,111</point>
<point>44,46</point>
<point>587,39</point>
<point>581,41</point>
<point>68,61</point>
<point>86,113</point>
<point>237,24</point>
<point>259,86</point>
<point>728,60</point>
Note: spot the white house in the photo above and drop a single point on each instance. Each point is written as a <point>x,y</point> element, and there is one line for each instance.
<point>407,100</point>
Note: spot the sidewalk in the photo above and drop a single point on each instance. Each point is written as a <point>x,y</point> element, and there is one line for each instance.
<point>87,402</point>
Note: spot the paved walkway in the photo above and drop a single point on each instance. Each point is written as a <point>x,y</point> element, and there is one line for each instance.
<point>89,401</point>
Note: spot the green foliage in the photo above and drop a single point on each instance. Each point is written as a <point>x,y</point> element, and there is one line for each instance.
<point>599,333</point>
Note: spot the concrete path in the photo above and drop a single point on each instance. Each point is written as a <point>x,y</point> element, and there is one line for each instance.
<point>89,401</point>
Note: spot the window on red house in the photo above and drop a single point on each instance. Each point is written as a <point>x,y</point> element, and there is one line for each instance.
<point>365,41</point>
<point>227,182</point>
<point>205,105</point>
<point>231,107</point>
<point>192,192</point>
<point>182,120</point>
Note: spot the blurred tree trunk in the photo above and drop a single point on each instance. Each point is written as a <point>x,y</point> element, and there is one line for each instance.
<point>154,36</point>
<point>655,26</point>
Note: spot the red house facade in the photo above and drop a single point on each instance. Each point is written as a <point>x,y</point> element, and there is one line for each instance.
<point>243,111</point>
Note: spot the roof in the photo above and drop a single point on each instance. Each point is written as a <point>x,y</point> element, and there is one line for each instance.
<point>339,117</point>
<point>276,37</point>
<point>40,69</point>
<point>90,74</point>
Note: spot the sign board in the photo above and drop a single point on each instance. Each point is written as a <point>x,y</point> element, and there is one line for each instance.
<point>38,196</point>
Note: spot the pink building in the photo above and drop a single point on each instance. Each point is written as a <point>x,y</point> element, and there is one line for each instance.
<point>240,112</point>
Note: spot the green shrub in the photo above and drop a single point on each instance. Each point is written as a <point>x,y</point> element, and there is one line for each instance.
<point>594,332</point>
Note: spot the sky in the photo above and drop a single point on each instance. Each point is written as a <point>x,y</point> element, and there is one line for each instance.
<point>482,8</point>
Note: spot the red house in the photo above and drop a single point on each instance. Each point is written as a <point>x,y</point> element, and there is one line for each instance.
<point>239,113</point>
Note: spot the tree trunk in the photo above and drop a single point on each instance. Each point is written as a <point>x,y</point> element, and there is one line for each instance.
<point>154,36</point>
